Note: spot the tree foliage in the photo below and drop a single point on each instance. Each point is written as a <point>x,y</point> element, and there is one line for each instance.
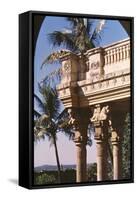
<point>92,172</point>
<point>44,178</point>
<point>50,120</point>
<point>126,148</point>
<point>82,35</point>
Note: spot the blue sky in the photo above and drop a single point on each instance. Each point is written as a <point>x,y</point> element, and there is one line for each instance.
<point>43,152</point>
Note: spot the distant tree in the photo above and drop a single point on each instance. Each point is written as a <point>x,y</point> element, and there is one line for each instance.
<point>44,178</point>
<point>92,172</point>
<point>126,148</point>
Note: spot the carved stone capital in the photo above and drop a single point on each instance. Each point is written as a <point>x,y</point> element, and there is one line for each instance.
<point>79,124</point>
<point>115,139</point>
<point>79,140</point>
<point>73,118</point>
<point>101,134</point>
<point>79,118</point>
<point>101,121</point>
<point>100,114</point>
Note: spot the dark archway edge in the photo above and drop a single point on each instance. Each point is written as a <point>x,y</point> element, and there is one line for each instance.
<point>126,26</point>
<point>38,20</point>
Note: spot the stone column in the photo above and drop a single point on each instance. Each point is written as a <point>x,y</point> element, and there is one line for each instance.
<point>116,155</point>
<point>101,146</point>
<point>81,158</point>
<point>80,125</point>
<point>100,120</point>
<point>118,120</point>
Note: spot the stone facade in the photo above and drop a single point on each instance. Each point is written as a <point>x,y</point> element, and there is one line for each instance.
<point>107,76</point>
<point>97,81</point>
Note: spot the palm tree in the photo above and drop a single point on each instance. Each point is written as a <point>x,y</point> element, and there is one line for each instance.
<point>49,120</point>
<point>83,35</point>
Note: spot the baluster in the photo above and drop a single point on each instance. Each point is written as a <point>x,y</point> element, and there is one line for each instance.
<point>106,59</point>
<point>118,56</point>
<point>128,51</point>
<point>124,52</point>
<point>115,57</point>
<point>109,57</point>
<point>121,53</point>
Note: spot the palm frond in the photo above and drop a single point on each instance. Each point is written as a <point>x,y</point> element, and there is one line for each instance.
<point>43,128</point>
<point>36,114</point>
<point>97,33</point>
<point>55,57</point>
<point>52,77</point>
<point>58,38</point>
<point>89,27</point>
<point>40,103</point>
<point>52,102</point>
<point>43,121</point>
<point>39,133</point>
<point>66,128</point>
<point>73,20</point>
<point>63,115</point>
<point>69,133</point>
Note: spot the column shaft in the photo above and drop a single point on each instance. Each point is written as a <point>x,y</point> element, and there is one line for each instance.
<point>80,125</point>
<point>81,173</point>
<point>116,161</point>
<point>101,160</point>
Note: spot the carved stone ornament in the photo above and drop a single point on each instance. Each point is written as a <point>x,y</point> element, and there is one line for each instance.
<point>94,66</point>
<point>94,69</point>
<point>114,136</point>
<point>100,114</point>
<point>67,67</point>
<point>73,119</point>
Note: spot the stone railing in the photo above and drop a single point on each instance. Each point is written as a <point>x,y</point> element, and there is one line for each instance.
<point>105,75</point>
<point>117,56</point>
<point>117,52</point>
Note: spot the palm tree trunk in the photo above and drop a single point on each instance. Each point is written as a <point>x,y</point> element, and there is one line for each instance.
<point>57,159</point>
